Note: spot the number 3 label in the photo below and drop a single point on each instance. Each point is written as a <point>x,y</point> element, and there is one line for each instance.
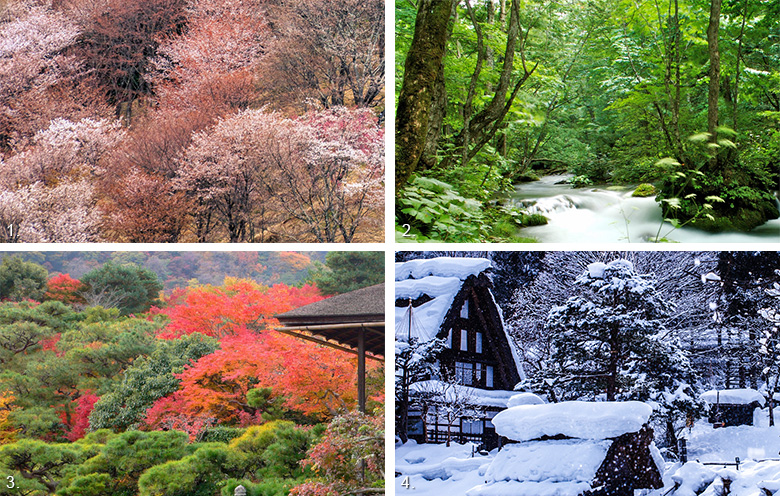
<point>11,483</point>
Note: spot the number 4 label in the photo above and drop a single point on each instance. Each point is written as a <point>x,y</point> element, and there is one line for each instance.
<point>405,483</point>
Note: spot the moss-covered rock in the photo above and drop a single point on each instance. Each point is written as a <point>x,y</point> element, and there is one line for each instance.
<point>739,219</point>
<point>644,190</point>
<point>534,220</point>
<point>527,177</point>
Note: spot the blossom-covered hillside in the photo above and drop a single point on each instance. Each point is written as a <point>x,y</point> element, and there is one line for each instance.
<point>191,121</point>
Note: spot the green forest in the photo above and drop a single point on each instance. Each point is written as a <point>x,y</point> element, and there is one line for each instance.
<point>111,384</point>
<point>673,99</point>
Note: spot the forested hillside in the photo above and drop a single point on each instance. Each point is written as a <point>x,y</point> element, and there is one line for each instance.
<point>678,96</point>
<point>110,386</point>
<point>191,121</point>
<point>178,269</point>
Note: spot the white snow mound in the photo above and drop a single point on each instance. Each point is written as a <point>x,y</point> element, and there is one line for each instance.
<point>577,419</point>
<point>508,488</point>
<point>524,399</point>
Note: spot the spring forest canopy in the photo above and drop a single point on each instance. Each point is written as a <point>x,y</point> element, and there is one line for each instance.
<point>683,95</point>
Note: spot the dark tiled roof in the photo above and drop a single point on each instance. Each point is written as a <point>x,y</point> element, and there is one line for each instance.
<point>361,305</point>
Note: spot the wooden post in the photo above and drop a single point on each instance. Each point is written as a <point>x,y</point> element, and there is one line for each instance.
<point>362,370</point>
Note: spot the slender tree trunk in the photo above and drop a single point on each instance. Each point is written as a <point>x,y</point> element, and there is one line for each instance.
<point>712,100</point>
<point>468,107</point>
<point>424,409</point>
<point>735,102</point>
<point>438,112</point>
<point>482,127</point>
<point>772,401</point>
<point>421,70</point>
<point>677,58</point>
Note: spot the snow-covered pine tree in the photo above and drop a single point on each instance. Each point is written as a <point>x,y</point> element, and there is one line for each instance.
<point>610,342</point>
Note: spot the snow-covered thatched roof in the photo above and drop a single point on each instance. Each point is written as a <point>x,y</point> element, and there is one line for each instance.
<point>543,468</point>
<point>581,461</point>
<point>459,268</point>
<point>438,278</point>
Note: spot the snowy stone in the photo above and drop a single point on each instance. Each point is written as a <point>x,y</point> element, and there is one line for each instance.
<point>577,419</point>
<point>710,276</point>
<point>733,396</point>
<point>569,460</point>
<point>772,486</point>
<point>524,399</point>
<point>728,474</point>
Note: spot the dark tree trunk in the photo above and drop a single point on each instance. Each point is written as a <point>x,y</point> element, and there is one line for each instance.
<point>612,367</point>
<point>421,71</point>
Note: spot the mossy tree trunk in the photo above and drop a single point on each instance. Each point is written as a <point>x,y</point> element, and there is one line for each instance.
<point>418,90</point>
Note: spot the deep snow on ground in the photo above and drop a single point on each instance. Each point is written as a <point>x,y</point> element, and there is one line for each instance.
<point>435,470</point>
<point>744,441</point>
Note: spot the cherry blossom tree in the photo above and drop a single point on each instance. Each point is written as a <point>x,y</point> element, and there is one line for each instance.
<point>211,65</point>
<point>320,174</point>
<point>331,50</point>
<point>336,183</point>
<point>65,213</point>
<point>64,149</point>
<point>32,61</point>
<point>47,191</point>
<point>222,171</point>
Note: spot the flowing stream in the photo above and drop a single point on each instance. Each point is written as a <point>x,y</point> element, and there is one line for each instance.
<point>594,214</point>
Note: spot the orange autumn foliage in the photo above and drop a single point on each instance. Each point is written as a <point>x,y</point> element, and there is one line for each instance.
<point>297,261</point>
<point>314,380</point>
<point>64,288</point>
<point>7,432</point>
<point>221,311</point>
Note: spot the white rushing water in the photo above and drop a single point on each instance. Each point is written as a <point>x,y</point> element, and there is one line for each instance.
<point>596,215</point>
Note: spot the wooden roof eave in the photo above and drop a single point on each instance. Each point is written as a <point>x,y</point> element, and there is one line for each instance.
<point>309,333</point>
